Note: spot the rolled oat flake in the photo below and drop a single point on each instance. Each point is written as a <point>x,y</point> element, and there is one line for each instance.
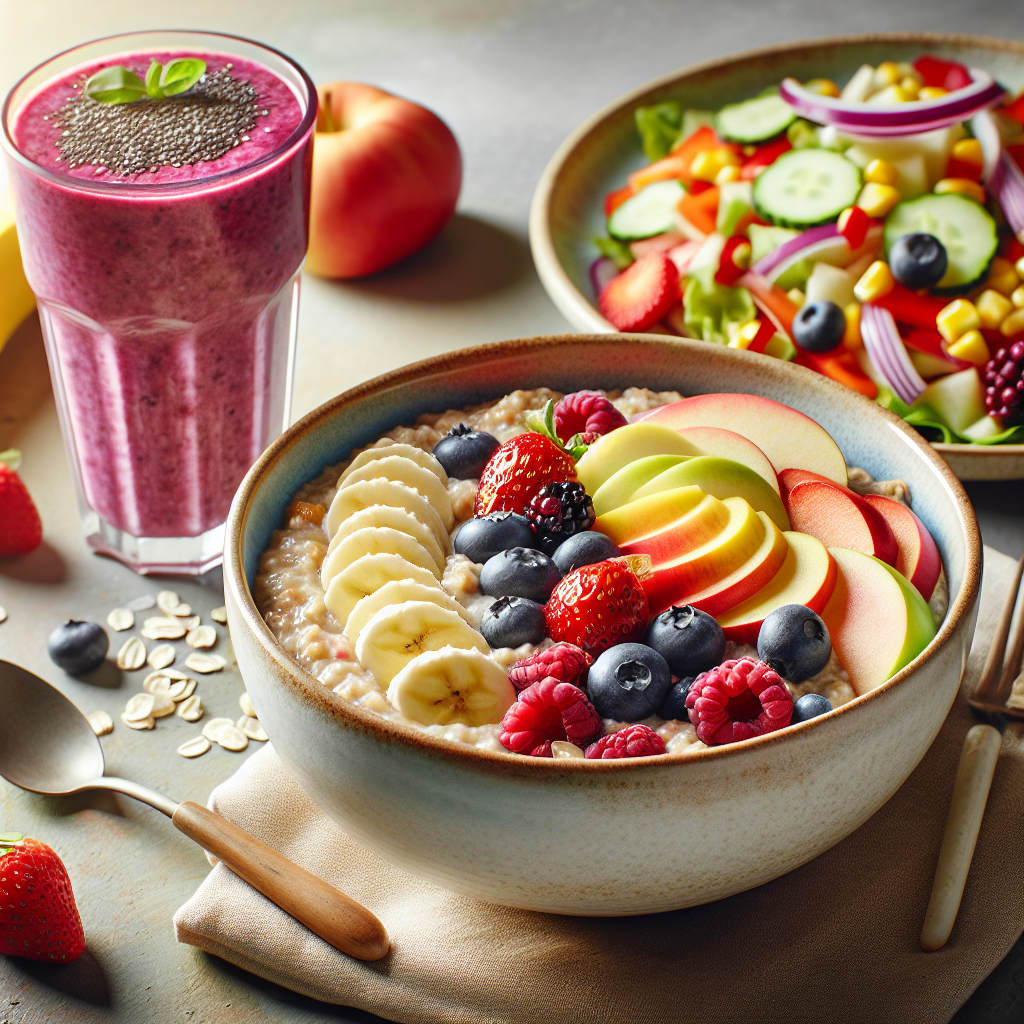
<point>162,656</point>
<point>203,636</point>
<point>121,619</point>
<point>167,601</point>
<point>213,727</point>
<point>205,663</point>
<point>194,747</point>
<point>101,722</point>
<point>132,655</point>
<point>232,738</point>
<point>191,709</point>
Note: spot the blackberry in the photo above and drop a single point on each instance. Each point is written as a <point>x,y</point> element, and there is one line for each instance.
<point>559,510</point>
<point>1004,385</point>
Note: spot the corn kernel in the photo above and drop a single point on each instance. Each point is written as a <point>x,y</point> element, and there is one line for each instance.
<point>875,282</point>
<point>1002,276</point>
<point>961,187</point>
<point>744,336</point>
<point>851,337</point>
<point>932,92</point>
<point>956,319</point>
<point>1019,267</point>
<point>971,348</point>
<point>728,173</point>
<point>823,87</point>
<point>1013,324</point>
<point>887,73</point>
<point>890,94</point>
<point>796,296</point>
<point>968,150</point>
<point>993,308</point>
<point>1017,296</point>
<point>877,200</point>
<point>907,70</point>
<point>709,162</point>
<point>881,172</point>
<point>911,86</point>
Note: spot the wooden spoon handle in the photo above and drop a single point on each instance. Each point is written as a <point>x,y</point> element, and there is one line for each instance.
<point>332,915</point>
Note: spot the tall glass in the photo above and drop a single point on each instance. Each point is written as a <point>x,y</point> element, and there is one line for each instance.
<point>168,296</point>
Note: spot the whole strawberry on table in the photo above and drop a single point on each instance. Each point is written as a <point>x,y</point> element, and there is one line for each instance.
<point>21,529</point>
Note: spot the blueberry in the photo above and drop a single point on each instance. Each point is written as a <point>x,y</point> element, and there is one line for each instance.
<point>794,642</point>
<point>819,326</point>
<point>810,705</point>
<point>628,682</point>
<point>584,548</point>
<point>483,537</point>
<point>512,621</point>
<point>464,452</point>
<point>520,572</point>
<point>674,704</point>
<point>688,639</point>
<point>78,647</point>
<point>918,261</point>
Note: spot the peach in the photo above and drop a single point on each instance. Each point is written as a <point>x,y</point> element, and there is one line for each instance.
<point>620,486</point>
<point>918,559</point>
<point>641,518</point>
<point>619,448</point>
<point>730,445</point>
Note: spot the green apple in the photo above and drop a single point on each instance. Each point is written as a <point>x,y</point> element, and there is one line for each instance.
<point>620,486</point>
<point>634,441</point>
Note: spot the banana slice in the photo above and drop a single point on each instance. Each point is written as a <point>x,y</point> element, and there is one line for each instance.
<point>372,541</point>
<point>408,451</point>
<point>451,685</point>
<point>399,632</point>
<point>394,519</point>
<point>397,467</point>
<point>362,494</point>
<point>367,575</point>
<point>398,592</point>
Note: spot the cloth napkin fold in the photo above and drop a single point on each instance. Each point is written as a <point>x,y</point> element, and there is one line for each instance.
<point>835,940</point>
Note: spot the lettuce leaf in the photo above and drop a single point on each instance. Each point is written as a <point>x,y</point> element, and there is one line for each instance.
<point>930,424</point>
<point>659,128</point>
<point>710,308</point>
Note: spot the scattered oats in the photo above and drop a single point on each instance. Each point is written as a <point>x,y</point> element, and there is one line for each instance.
<point>162,705</point>
<point>163,632</point>
<point>194,747</point>
<point>191,709</point>
<point>156,683</point>
<point>167,601</point>
<point>132,655</point>
<point>213,727</point>
<point>160,620</point>
<point>182,611</point>
<point>141,604</point>
<point>232,738</point>
<point>3,614</point>
<point>181,690</point>
<point>172,673</point>
<point>219,615</point>
<point>565,749</point>
<point>205,663</point>
<point>202,636</point>
<point>101,722</point>
<point>190,622</point>
<point>161,657</point>
<point>121,619</point>
<point>139,707</point>
<point>252,729</point>
<point>245,703</point>
<point>146,723</point>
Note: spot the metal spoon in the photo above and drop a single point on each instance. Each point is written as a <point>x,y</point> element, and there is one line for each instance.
<point>47,746</point>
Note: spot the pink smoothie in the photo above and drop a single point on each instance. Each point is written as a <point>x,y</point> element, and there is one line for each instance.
<point>167,295</point>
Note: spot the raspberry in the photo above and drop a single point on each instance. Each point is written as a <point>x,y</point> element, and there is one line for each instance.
<point>1004,385</point>
<point>547,711</point>
<point>585,412</point>
<point>557,511</point>
<point>738,700</point>
<point>633,741</point>
<point>565,663</point>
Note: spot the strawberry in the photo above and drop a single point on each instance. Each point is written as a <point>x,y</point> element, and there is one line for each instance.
<point>518,470</point>
<point>38,916</point>
<point>598,606</point>
<point>21,530</point>
<point>642,294</point>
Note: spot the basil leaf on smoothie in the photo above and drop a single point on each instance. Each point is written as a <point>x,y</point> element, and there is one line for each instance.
<point>118,84</point>
<point>115,85</point>
<point>180,75</point>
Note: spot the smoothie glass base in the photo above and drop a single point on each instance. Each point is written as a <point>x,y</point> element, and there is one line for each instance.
<point>185,556</point>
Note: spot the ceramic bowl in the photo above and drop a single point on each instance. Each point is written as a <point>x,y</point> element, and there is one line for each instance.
<point>604,837</point>
<point>567,211</point>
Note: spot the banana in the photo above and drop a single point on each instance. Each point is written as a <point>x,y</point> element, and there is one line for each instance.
<point>16,298</point>
<point>372,541</point>
<point>367,575</point>
<point>398,592</point>
<point>397,467</point>
<point>354,497</point>
<point>408,451</point>
<point>394,519</point>
<point>451,685</point>
<point>399,632</point>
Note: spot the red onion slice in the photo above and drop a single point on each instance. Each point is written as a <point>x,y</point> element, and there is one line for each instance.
<point>991,142</point>
<point>602,270</point>
<point>887,353</point>
<point>1007,187</point>
<point>784,256</point>
<point>898,119</point>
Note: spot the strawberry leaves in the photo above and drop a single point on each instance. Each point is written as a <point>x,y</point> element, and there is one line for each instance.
<point>544,423</point>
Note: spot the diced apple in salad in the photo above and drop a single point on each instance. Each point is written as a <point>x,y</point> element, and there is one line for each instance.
<point>873,233</point>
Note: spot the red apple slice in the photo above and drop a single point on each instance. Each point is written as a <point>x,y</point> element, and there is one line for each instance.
<point>918,557</point>
<point>807,577</point>
<point>840,518</point>
<point>667,543</point>
<point>787,437</point>
<point>789,478</point>
<point>729,445</point>
<point>877,621</point>
<point>650,515</point>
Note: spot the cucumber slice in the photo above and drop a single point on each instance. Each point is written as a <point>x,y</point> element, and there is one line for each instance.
<point>805,187</point>
<point>963,226</point>
<point>755,120</point>
<point>650,212</point>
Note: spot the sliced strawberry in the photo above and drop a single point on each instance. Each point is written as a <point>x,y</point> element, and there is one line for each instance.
<point>518,470</point>
<point>642,294</point>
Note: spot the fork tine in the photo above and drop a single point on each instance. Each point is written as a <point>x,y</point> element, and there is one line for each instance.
<point>1012,664</point>
<point>993,669</point>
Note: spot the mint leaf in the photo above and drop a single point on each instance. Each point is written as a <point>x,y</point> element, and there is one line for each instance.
<point>118,84</point>
<point>153,79</point>
<point>180,75</point>
<point>115,85</point>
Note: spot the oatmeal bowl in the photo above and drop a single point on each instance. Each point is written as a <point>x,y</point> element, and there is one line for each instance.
<point>601,625</point>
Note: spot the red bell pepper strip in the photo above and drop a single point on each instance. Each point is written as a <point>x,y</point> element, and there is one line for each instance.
<point>942,74</point>
<point>853,225</point>
<point>700,211</point>
<point>910,308</point>
<point>677,163</point>
<point>957,168</point>
<point>772,301</point>
<point>765,333</point>
<point>615,199</point>
<point>842,368</point>
<point>765,156</point>
<point>1015,110</point>
<point>1011,248</point>
<point>729,271</point>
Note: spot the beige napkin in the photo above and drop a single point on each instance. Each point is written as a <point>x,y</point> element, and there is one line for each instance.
<point>835,940</point>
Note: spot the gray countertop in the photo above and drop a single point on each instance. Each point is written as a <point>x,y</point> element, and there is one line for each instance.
<point>512,79</point>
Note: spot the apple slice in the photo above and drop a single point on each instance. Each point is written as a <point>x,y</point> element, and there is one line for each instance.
<point>723,478</point>
<point>641,518</point>
<point>625,445</point>
<point>840,518</point>
<point>918,559</point>
<point>789,478</point>
<point>807,577</point>
<point>668,542</point>
<point>620,486</point>
<point>787,437</point>
<point>730,445</point>
<point>754,574</point>
<point>877,621</point>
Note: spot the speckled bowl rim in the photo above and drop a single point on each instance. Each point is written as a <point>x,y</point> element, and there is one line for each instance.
<point>549,267</point>
<point>352,716</point>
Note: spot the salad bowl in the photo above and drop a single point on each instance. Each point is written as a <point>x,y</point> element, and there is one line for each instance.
<point>568,214</point>
<point>615,837</point>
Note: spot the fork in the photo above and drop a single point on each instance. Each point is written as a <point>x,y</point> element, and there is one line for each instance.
<point>974,774</point>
